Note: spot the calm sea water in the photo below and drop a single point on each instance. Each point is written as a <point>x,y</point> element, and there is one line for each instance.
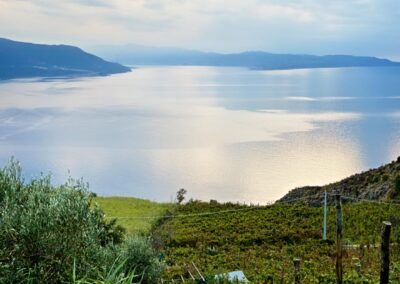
<point>221,133</point>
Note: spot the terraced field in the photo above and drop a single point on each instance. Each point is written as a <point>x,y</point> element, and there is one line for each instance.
<point>262,241</point>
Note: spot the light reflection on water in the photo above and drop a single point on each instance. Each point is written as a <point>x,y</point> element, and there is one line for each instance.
<point>221,133</point>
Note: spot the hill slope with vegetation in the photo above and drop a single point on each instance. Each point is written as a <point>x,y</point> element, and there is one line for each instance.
<point>262,241</point>
<point>54,234</point>
<point>382,183</point>
<point>22,60</point>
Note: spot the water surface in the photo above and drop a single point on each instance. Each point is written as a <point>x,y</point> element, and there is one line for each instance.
<point>222,133</point>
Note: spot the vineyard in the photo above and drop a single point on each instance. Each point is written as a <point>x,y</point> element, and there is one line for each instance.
<point>262,241</point>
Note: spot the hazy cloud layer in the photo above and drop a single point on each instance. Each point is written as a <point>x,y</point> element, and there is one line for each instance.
<point>364,27</point>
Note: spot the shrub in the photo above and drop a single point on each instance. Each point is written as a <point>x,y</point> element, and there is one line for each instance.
<point>142,258</point>
<point>376,178</point>
<point>397,184</point>
<point>385,177</point>
<point>114,275</point>
<point>45,229</point>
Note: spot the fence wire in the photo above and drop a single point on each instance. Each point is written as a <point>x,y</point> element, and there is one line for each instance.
<point>255,207</point>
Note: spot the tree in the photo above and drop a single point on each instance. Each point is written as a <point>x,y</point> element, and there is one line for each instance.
<point>180,195</point>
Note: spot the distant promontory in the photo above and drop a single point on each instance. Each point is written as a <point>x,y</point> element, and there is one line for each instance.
<point>144,55</point>
<point>24,60</point>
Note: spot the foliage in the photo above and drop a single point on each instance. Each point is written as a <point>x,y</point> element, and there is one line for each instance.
<point>397,184</point>
<point>45,229</point>
<point>140,256</point>
<point>112,232</point>
<point>180,195</point>
<point>115,275</point>
<point>264,240</point>
<point>134,262</point>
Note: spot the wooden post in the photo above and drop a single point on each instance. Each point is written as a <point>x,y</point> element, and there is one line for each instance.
<point>191,275</point>
<point>296,264</point>
<point>325,213</point>
<point>385,255</point>
<point>339,235</point>
<point>198,271</point>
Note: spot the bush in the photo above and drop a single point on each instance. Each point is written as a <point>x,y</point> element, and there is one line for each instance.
<point>385,177</point>
<point>397,184</point>
<point>141,258</point>
<point>114,275</point>
<point>45,230</point>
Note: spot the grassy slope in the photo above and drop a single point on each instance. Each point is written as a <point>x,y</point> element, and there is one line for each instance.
<point>132,207</point>
<point>265,240</point>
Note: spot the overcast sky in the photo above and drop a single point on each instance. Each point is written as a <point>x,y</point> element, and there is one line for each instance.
<point>360,27</point>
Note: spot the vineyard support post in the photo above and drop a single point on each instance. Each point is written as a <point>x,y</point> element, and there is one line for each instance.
<point>325,209</point>
<point>296,264</point>
<point>385,253</point>
<point>203,280</point>
<point>339,235</point>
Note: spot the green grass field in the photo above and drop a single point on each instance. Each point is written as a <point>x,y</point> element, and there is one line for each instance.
<point>128,211</point>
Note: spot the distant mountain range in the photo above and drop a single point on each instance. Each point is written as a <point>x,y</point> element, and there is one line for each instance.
<point>142,55</point>
<point>21,60</point>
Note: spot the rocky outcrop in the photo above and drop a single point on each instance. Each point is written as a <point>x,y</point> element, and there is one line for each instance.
<point>374,184</point>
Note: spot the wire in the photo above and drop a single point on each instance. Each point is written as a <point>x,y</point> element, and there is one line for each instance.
<point>269,204</point>
<point>370,200</point>
<point>366,200</point>
<point>188,215</point>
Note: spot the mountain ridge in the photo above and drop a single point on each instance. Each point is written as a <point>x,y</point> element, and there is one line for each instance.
<point>24,60</point>
<point>142,55</point>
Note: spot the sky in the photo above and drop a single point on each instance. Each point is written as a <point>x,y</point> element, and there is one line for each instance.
<point>358,27</point>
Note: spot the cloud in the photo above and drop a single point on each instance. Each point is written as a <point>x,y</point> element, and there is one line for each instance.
<point>366,27</point>
<point>96,3</point>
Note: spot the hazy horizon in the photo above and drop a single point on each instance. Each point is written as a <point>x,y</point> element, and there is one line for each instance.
<point>362,27</point>
<point>98,49</point>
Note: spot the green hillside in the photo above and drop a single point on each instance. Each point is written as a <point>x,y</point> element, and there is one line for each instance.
<point>130,211</point>
<point>263,241</point>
